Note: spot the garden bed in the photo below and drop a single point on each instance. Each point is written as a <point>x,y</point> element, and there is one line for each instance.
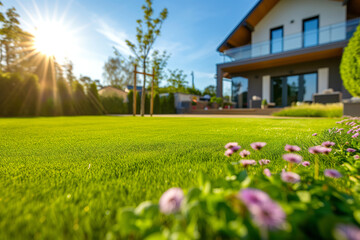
<point>312,110</point>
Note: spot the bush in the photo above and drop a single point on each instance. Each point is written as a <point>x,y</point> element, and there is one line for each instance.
<point>19,94</point>
<point>157,107</point>
<point>171,104</point>
<point>114,105</point>
<point>312,110</point>
<point>350,65</point>
<point>264,102</point>
<point>95,107</point>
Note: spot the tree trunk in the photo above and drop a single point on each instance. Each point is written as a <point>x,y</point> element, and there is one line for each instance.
<point>143,93</point>
<point>7,57</point>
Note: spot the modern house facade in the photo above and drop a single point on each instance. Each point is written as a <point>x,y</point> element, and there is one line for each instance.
<point>286,51</point>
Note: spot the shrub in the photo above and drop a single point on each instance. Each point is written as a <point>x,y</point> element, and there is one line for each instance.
<point>19,94</point>
<point>350,65</point>
<point>157,104</point>
<point>114,105</point>
<point>264,102</point>
<point>65,98</point>
<point>171,103</point>
<point>312,110</point>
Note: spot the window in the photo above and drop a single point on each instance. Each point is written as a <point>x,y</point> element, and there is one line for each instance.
<point>311,32</point>
<point>290,89</point>
<point>239,91</point>
<point>310,86</point>
<point>276,40</point>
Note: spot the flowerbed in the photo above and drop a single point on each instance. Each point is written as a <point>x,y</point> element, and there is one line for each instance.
<point>312,110</point>
<point>255,202</point>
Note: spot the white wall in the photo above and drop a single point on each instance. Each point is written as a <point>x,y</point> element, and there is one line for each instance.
<point>323,79</point>
<point>285,11</point>
<point>266,88</point>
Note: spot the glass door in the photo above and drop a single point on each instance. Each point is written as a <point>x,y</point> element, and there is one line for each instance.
<point>292,84</point>
<point>239,90</point>
<point>291,89</point>
<point>277,91</point>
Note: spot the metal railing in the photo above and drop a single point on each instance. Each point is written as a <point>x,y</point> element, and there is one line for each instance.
<point>323,35</point>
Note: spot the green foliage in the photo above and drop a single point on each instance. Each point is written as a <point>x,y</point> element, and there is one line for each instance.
<point>193,91</point>
<point>95,106</point>
<point>210,90</point>
<point>130,104</point>
<point>115,105</point>
<point>171,103</point>
<point>217,100</point>
<point>65,98</point>
<point>264,102</point>
<point>118,71</point>
<point>159,62</point>
<point>19,94</point>
<point>164,105</point>
<point>312,110</point>
<point>176,80</point>
<point>157,107</point>
<point>350,65</point>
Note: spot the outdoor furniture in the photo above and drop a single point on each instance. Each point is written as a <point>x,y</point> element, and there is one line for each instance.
<point>352,107</point>
<point>255,102</point>
<point>328,96</point>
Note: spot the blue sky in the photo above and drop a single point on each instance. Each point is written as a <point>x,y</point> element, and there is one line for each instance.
<point>191,33</point>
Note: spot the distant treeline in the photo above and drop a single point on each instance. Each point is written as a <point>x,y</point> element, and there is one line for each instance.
<point>23,95</point>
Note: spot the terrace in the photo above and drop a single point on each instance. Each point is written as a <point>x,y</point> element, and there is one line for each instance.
<point>322,38</point>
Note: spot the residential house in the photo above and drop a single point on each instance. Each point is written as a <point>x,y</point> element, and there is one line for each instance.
<point>285,51</point>
<point>113,92</point>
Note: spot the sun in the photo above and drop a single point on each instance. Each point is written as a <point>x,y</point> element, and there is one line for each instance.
<point>53,39</point>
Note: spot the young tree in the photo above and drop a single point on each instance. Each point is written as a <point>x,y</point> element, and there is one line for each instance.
<point>148,30</point>
<point>118,70</point>
<point>210,90</point>
<point>159,62</point>
<point>176,80</point>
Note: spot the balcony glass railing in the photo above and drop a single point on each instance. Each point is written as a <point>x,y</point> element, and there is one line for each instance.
<point>323,35</point>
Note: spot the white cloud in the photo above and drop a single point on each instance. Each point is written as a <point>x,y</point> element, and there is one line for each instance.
<point>115,36</point>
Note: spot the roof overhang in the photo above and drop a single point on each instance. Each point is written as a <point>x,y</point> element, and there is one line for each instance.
<point>241,34</point>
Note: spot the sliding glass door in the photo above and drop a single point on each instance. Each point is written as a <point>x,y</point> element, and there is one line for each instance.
<point>287,90</point>
<point>239,91</point>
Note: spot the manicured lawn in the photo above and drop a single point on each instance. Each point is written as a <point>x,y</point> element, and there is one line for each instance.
<point>66,177</point>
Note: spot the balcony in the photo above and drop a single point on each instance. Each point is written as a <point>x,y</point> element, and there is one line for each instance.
<point>322,36</point>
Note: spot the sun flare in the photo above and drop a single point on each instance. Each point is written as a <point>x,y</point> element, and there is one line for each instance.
<point>53,39</point>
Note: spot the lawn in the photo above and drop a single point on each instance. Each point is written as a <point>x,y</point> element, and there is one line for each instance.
<point>66,177</point>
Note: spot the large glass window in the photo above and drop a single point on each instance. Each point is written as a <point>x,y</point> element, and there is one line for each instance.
<point>239,90</point>
<point>310,86</point>
<point>291,89</point>
<point>277,90</point>
<point>311,32</point>
<point>276,40</point>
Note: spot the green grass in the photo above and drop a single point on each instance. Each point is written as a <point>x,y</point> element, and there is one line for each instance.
<point>313,110</point>
<point>64,178</point>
